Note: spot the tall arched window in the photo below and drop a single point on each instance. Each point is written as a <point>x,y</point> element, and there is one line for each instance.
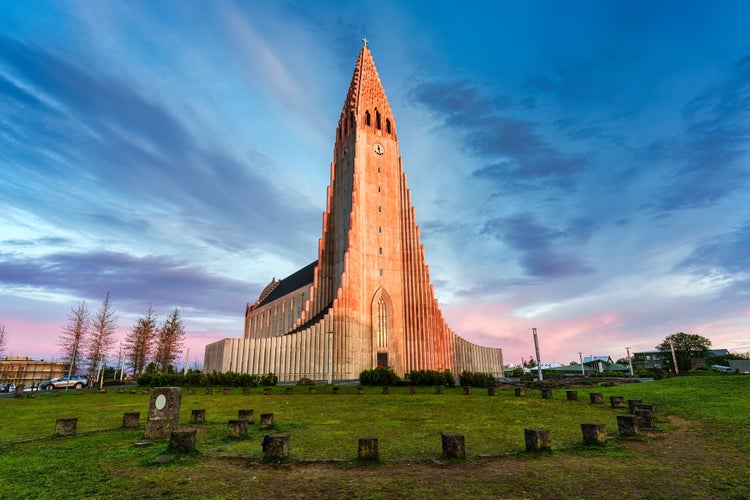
<point>382,327</point>
<point>377,119</point>
<point>367,118</point>
<point>387,126</point>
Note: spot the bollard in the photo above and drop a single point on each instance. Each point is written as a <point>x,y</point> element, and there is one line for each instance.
<point>198,416</point>
<point>275,446</point>
<point>130,420</point>
<point>182,440</point>
<point>453,445</point>
<point>596,398</point>
<point>627,425</point>
<point>65,426</point>
<point>594,434</point>
<point>439,389</point>
<point>616,401</point>
<point>368,448</point>
<point>546,393</point>
<point>247,414</point>
<point>520,392</point>
<point>571,395</point>
<point>237,428</point>
<point>537,439</point>
<point>266,420</point>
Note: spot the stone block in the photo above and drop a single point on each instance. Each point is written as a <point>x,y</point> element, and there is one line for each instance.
<point>66,426</point>
<point>30,395</point>
<point>491,391</point>
<point>164,412</point>
<point>311,390</point>
<point>645,417</point>
<point>594,434</point>
<point>386,390</point>
<point>412,389</point>
<point>546,393</point>
<point>571,395</point>
<point>182,440</point>
<point>198,416</point>
<point>266,420</point>
<point>336,389</point>
<point>627,425</point>
<point>368,448</point>
<point>227,391</point>
<point>439,389</point>
<point>453,445</point>
<point>191,391</point>
<point>276,446</point>
<point>247,414</point>
<point>520,392</point>
<point>267,391</point>
<point>616,401</point>
<point>632,403</point>
<point>19,390</point>
<point>467,390</point>
<point>209,391</point>
<point>360,390</point>
<point>596,398</point>
<point>289,390</point>
<point>131,420</point>
<point>245,391</point>
<point>537,439</point>
<point>237,428</point>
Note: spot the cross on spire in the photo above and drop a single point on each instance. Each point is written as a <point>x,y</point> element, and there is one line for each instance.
<point>364,40</point>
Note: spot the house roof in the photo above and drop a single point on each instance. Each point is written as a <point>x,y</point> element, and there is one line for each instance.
<point>615,367</point>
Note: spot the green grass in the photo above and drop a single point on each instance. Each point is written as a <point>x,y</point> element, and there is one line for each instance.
<point>327,426</point>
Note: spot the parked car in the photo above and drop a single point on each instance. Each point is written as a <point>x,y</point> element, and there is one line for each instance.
<point>77,381</point>
<point>7,387</point>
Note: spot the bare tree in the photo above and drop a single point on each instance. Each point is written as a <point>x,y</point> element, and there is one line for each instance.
<point>139,344</point>
<point>73,333</point>
<point>101,337</point>
<point>3,341</point>
<point>170,341</point>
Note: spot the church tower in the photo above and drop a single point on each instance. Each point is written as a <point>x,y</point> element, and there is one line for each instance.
<point>367,300</point>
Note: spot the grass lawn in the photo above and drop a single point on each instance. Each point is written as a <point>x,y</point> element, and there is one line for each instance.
<point>701,448</point>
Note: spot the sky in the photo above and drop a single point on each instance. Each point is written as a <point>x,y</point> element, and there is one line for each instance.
<point>577,167</point>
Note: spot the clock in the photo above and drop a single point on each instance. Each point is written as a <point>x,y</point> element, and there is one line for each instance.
<point>378,148</point>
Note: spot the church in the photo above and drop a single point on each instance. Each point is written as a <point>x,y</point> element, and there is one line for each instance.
<point>367,300</point>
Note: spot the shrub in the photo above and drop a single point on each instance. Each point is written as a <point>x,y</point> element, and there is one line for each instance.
<point>476,379</point>
<point>194,378</point>
<point>431,378</point>
<point>382,375</point>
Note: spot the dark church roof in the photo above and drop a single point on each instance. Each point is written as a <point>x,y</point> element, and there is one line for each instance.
<point>291,283</point>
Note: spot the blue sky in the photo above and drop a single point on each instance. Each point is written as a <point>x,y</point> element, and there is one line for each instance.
<point>578,167</point>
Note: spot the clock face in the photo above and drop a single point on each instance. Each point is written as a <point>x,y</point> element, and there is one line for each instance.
<point>378,148</point>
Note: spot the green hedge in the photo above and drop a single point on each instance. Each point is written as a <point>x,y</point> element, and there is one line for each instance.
<point>476,379</point>
<point>431,378</point>
<point>382,375</point>
<point>195,378</point>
